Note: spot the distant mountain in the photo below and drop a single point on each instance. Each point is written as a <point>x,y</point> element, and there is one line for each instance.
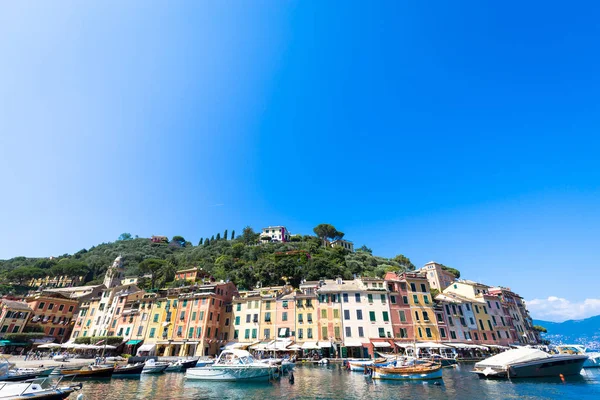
<point>585,331</point>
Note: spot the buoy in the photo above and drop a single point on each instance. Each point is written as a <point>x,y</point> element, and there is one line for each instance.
<point>291,377</point>
<point>80,396</point>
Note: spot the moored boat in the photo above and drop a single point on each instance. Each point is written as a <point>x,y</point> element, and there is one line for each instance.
<point>90,372</point>
<point>423,371</point>
<point>233,365</point>
<point>529,363</point>
<point>35,391</point>
<point>39,372</point>
<point>154,367</point>
<point>181,365</point>
<point>359,365</point>
<point>128,370</point>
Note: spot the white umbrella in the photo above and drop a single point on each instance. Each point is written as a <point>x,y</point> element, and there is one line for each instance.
<point>49,346</point>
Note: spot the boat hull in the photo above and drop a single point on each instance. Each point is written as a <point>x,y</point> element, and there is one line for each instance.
<point>128,371</point>
<point>158,369</point>
<point>18,377</point>
<point>91,373</point>
<point>539,369</point>
<point>592,362</point>
<point>230,374</point>
<point>407,373</point>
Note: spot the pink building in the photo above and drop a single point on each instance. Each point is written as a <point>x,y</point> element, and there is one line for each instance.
<point>402,323</point>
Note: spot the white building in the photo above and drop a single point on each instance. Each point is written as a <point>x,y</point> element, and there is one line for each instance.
<point>346,244</point>
<point>275,233</point>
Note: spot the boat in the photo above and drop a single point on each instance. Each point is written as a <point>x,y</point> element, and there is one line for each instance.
<point>526,362</point>
<point>154,367</point>
<point>287,365</point>
<point>90,372</point>
<point>129,370</point>
<point>35,390</point>
<point>423,371</point>
<point>181,365</point>
<point>204,363</point>
<point>233,365</point>
<point>593,360</point>
<point>443,360</point>
<point>359,365</point>
<point>39,372</point>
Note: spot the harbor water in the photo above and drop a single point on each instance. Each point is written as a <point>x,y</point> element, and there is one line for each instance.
<point>335,382</point>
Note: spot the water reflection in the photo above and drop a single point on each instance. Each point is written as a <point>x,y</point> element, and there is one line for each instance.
<point>334,382</point>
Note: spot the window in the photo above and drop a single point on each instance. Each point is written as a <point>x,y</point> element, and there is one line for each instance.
<point>357,297</point>
<point>393,299</point>
<point>267,333</point>
<point>346,314</point>
<point>372,316</point>
<point>345,296</point>
<point>381,332</point>
<point>300,333</point>
<point>423,288</point>
<point>485,309</point>
<point>405,299</point>
<point>426,299</point>
<point>468,307</point>
<point>194,316</point>
<point>476,335</point>
<point>484,335</point>
<point>489,304</point>
<point>268,305</point>
<point>309,318</point>
<point>248,317</point>
<point>309,333</point>
<point>182,316</point>
<point>336,331</point>
<point>442,332</point>
<point>481,325</point>
<point>237,320</point>
<point>202,316</point>
<point>41,305</point>
<point>324,332</point>
<point>300,318</point>
<point>497,305</point>
<point>247,334</point>
<point>140,330</point>
<point>238,307</point>
<point>413,287</point>
<point>453,334</point>
<point>70,308</point>
<point>425,316</point>
<point>336,313</point>
<point>490,325</point>
<point>152,332</point>
<point>403,333</point>
<point>386,317</point>
<point>402,316</point>
<point>210,315</point>
<point>493,336</point>
<point>476,309</point>
<point>370,298</point>
<point>198,332</point>
<point>4,329</point>
<point>420,332</point>
<point>383,299</point>
<point>416,299</point>
<point>361,332</point>
<point>494,319</point>
<point>268,317</point>
<point>439,317</point>
<point>324,313</point>
<point>428,332</point>
<point>359,315</point>
<point>417,316</point>
<point>61,307</point>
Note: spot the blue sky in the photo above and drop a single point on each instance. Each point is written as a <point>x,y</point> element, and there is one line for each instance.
<point>465,133</point>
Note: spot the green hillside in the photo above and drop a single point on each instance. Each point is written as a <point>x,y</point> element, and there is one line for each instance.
<point>244,260</point>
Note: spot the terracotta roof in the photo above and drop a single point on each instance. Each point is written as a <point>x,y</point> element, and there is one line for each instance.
<point>15,305</point>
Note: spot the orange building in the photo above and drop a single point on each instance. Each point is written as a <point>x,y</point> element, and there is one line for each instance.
<point>53,313</point>
<point>13,316</point>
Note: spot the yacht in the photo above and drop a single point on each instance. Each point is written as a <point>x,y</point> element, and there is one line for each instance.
<point>35,390</point>
<point>154,367</point>
<point>233,365</point>
<point>593,360</point>
<point>529,363</point>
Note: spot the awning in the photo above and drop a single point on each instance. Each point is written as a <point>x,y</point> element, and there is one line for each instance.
<point>352,343</point>
<point>132,342</point>
<point>259,346</point>
<point>310,346</point>
<point>278,344</point>
<point>146,347</point>
<point>405,345</point>
<point>324,345</point>
<point>381,344</point>
<point>431,345</point>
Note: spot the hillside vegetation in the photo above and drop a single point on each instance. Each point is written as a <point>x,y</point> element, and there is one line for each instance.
<point>243,260</point>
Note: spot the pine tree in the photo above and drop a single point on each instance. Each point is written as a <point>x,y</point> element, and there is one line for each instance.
<point>232,235</point>
<point>225,235</point>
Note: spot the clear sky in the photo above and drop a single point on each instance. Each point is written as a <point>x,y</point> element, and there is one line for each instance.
<point>461,132</point>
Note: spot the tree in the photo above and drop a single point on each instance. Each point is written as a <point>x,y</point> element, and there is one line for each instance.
<point>249,236</point>
<point>453,271</point>
<point>404,262</point>
<point>212,238</point>
<point>232,234</point>
<point>200,242</point>
<point>124,236</point>
<point>365,249</point>
<point>178,238</point>
<point>225,235</point>
<point>154,267</point>
<point>327,231</point>
<point>218,236</point>
<point>207,242</point>
<point>540,328</point>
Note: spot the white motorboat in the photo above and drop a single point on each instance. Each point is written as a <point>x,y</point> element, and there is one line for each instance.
<point>154,367</point>
<point>593,360</point>
<point>529,363</point>
<point>35,390</point>
<point>233,365</point>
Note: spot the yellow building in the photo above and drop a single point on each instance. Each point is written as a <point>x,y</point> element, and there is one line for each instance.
<point>421,306</point>
<point>307,319</point>
<point>246,317</point>
<point>13,316</point>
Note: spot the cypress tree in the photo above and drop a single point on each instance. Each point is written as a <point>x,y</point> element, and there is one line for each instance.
<point>232,234</point>
<point>225,235</point>
<point>200,243</point>
<point>218,236</point>
<point>212,239</point>
<point>207,242</point>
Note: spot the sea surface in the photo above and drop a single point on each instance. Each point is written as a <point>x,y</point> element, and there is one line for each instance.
<point>334,382</point>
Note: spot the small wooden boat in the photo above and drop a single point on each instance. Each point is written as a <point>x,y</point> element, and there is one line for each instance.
<point>416,372</point>
<point>359,365</point>
<point>90,372</point>
<point>129,370</point>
